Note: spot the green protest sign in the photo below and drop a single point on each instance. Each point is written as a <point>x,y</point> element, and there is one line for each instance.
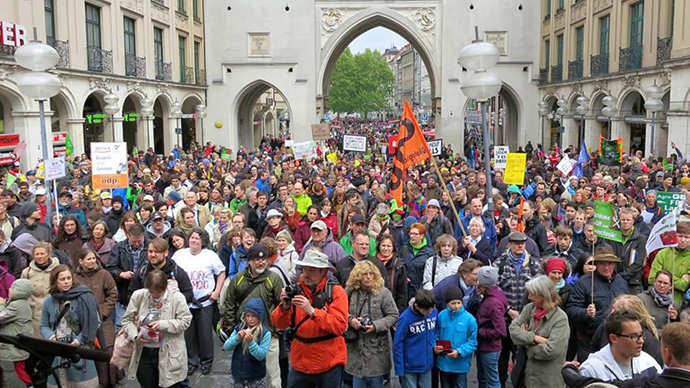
<point>603,221</point>
<point>670,201</point>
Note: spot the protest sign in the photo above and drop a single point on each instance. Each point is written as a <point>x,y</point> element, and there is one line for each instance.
<point>55,168</point>
<point>564,165</point>
<point>356,143</point>
<point>332,158</point>
<point>109,161</point>
<point>320,131</point>
<point>289,143</point>
<point>603,222</point>
<point>500,155</point>
<point>515,168</point>
<point>670,201</point>
<point>663,234</point>
<point>304,150</point>
<point>435,146</point>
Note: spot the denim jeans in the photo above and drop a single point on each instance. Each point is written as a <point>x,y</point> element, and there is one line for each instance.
<point>416,380</point>
<point>117,317</point>
<point>487,369</point>
<point>367,382</point>
<point>453,380</point>
<point>328,379</point>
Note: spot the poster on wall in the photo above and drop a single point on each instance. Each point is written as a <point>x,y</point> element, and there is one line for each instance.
<point>355,143</point>
<point>109,164</point>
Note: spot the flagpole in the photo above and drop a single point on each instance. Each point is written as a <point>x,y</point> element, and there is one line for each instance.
<point>592,277</point>
<point>445,188</point>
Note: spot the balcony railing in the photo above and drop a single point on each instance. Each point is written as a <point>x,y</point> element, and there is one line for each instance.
<point>7,51</point>
<point>200,77</point>
<point>99,60</point>
<point>663,49</point>
<point>557,73</point>
<point>631,58</point>
<point>160,2</point>
<point>135,66</point>
<point>544,76</point>
<point>599,65</point>
<point>163,71</point>
<point>575,69</point>
<point>188,73</point>
<point>62,48</point>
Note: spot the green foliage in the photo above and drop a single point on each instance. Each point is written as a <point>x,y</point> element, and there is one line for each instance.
<point>360,83</point>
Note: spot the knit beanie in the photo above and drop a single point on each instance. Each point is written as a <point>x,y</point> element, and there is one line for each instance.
<point>487,276</point>
<point>453,293</point>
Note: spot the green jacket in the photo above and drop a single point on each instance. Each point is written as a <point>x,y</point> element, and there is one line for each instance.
<point>236,204</point>
<point>346,243</point>
<point>303,202</point>
<point>678,263</point>
<point>268,290</point>
<point>544,362</point>
<point>16,318</point>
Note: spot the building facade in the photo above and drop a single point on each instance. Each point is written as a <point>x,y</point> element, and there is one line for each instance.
<point>411,82</point>
<point>135,49</point>
<point>619,48</point>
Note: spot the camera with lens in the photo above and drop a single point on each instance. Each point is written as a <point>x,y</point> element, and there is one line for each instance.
<point>292,291</point>
<point>66,339</point>
<point>364,322</point>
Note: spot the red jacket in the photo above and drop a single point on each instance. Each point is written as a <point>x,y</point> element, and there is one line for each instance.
<point>302,234</point>
<point>317,357</point>
<point>331,221</point>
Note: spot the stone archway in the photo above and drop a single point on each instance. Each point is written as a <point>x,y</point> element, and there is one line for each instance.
<point>190,129</point>
<point>358,24</point>
<point>161,111</point>
<point>634,127</point>
<point>251,105</point>
<point>94,120</point>
<point>131,121</point>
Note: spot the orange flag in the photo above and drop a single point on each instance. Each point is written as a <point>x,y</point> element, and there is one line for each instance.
<point>412,149</point>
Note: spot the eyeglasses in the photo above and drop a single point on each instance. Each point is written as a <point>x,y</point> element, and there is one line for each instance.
<point>634,337</point>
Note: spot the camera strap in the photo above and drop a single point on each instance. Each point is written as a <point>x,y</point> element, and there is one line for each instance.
<point>328,291</point>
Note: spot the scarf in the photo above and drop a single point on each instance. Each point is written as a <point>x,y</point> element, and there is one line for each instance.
<point>539,314</point>
<point>560,284</point>
<point>223,227</point>
<point>516,261</point>
<point>384,259</point>
<point>134,253</point>
<point>86,307</point>
<point>417,248</point>
<point>97,245</point>
<point>662,300</point>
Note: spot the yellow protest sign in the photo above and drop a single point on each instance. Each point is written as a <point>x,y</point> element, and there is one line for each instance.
<point>332,158</point>
<point>515,168</point>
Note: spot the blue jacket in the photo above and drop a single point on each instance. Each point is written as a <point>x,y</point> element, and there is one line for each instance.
<point>460,328</point>
<point>249,366</point>
<point>238,260</point>
<point>489,230</point>
<point>413,345</point>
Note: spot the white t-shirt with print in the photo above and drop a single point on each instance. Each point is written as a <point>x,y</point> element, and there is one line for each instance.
<point>202,269</point>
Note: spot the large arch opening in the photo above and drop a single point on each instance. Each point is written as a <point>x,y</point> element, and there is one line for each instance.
<point>189,121</point>
<point>130,122</point>
<point>94,121</point>
<point>635,118</point>
<point>602,127</point>
<point>161,109</point>
<point>9,102</point>
<point>426,103</point>
<point>503,115</point>
<point>256,102</point>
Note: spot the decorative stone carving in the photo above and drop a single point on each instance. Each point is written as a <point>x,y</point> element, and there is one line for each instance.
<point>551,90</point>
<point>160,13</point>
<point>181,21</point>
<point>601,84</point>
<point>99,83</point>
<point>498,39</point>
<point>162,88</point>
<point>578,11</point>
<point>259,44</point>
<point>600,5</point>
<point>6,70</point>
<point>425,18</point>
<point>577,88</point>
<point>559,21</point>
<point>331,18</point>
<point>664,79</point>
<point>631,81</point>
<point>134,86</point>
<point>134,6</point>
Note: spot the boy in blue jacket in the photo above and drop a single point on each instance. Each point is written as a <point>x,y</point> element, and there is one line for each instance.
<point>414,341</point>
<point>457,326</point>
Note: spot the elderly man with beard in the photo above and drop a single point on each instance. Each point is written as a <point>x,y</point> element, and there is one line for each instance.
<point>256,281</point>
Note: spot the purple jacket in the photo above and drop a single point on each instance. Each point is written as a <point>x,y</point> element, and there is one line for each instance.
<point>491,320</point>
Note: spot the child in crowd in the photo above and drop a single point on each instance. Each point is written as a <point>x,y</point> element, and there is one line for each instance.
<point>457,328</point>
<point>16,318</point>
<point>249,341</point>
<point>414,341</point>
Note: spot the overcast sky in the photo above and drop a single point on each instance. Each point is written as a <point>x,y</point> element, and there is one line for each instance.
<point>379,38</point>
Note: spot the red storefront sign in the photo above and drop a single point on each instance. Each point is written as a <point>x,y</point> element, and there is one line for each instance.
<point>13,34</point>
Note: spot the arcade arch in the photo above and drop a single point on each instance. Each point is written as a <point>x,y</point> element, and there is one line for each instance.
<point>259,100</point>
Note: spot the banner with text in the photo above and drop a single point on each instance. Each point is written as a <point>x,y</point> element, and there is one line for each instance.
<point>320,131</point>
<point>670,201</point>
<point>515,168</point>
<point>604,221</point>
<point>304,150</point>
<point>355,143</point>
<point>435,146</point>
<point>500,156</point>
<point>109,161</point>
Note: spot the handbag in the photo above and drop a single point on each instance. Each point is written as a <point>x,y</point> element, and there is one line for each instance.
<point>122,350</point>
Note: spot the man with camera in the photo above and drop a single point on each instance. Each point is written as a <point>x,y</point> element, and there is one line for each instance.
<point>256,281</point>
<point>315,315</point>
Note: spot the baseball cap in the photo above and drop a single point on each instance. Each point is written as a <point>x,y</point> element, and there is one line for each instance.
<point>106,195</point>
<point>157,216</point>
<point>358,219</point>
<point>148,197</point>
<point>41,191</point>
<point>274,213</point>
<point>320,225</point>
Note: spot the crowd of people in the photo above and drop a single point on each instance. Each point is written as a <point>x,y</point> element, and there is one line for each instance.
<point>311,275</point>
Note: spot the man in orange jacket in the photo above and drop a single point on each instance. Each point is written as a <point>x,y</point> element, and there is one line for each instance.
<point>316,315</point>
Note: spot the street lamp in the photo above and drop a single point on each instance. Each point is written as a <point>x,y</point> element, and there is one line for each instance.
<point>146,114</point>
<point>653,104</point>
<point>560,112</point>
<point>479,56</point>
<point>38,84</point>
<point>609,109</point>
<point>177,115</point>
<point>201,115</point>
<point>581,110</point>
<point>111,108</point>
<point>543,111</point>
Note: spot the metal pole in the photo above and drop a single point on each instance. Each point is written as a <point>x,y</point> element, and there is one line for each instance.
<point>44,149</point>
<point>487,162</point>
<point>542,132</point>
<point>651,145</point>
<point>202,133</point>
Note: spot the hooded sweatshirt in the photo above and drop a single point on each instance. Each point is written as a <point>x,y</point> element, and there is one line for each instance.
<point>249,366</point>
<point>16,318</point>
<point>414,341</point>
<point>602,365</point>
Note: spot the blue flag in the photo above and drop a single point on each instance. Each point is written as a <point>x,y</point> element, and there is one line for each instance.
<point>581,160</point>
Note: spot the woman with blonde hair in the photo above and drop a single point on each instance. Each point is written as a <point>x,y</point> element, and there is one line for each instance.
<point>542,331</point>
<point>373,313</point>
<point>632,304</point>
